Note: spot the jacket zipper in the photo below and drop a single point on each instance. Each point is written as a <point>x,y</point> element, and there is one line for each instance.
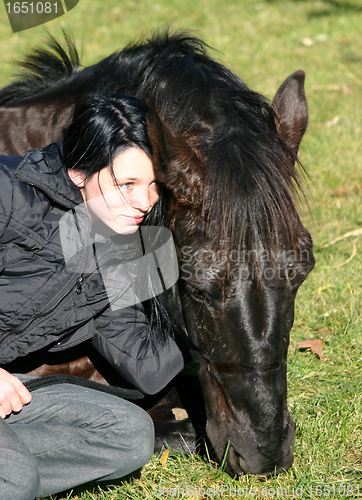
<point>76,286</point>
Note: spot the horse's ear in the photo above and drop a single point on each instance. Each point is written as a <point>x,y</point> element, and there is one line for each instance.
<point>176,164</point>
<point>291,110</point>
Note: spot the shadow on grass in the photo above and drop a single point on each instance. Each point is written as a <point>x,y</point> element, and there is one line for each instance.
<point>93,488</point>
<point>330,8</point>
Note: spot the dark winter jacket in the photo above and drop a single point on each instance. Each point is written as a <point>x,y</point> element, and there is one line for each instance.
<point>46,303</point>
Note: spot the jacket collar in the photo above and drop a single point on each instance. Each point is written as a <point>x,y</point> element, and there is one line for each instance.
<point>44,169</point>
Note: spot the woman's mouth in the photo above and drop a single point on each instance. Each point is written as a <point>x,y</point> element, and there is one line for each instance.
<point>132,219</point>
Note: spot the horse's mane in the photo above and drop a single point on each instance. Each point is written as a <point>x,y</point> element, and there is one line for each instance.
<point>43,69</point>
<point>50,71</point>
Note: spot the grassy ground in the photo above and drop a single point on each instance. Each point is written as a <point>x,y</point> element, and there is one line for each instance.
<point>263,42</point>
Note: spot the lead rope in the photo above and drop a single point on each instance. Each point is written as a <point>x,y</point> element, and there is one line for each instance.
<point>39,382</point>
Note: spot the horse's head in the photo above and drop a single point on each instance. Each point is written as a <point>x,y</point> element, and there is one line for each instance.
<point>243,255</point>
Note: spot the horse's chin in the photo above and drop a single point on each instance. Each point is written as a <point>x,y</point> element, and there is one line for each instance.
<point>250,458</point>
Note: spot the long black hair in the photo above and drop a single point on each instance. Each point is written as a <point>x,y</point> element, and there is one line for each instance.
<point>103,127</point>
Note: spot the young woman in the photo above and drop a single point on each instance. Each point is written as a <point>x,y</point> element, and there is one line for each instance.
<point>70,215</point>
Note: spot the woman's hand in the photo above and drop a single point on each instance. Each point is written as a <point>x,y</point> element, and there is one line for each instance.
<point>13,394</point>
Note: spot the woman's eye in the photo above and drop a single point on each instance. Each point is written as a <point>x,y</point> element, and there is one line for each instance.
<point>126,185</point>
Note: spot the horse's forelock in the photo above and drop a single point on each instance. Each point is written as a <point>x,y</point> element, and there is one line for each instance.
<point>249,181</point>
<point>250,193</point>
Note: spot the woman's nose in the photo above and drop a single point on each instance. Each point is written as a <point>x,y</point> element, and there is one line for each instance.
<point>141,201</point>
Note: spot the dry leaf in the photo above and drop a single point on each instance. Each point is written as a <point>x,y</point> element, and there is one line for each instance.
<point>340,192</point>
<point>164,458</point>
<point>315,345</point>
<point>333,122</point>
<point>346,190</point>
<point>180,413</point>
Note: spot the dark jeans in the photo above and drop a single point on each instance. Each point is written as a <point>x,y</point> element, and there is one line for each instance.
<point>69,435</point>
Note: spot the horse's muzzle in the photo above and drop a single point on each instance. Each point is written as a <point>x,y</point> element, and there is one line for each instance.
<point>258,461</point>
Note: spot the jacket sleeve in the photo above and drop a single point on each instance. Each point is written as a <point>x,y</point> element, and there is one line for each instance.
<point>144,357</point>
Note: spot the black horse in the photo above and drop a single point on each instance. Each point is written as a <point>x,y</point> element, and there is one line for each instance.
<point>228,157</point>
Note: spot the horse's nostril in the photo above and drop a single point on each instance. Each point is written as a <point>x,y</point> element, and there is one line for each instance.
<point>239,457</point>
<point>236,461</point>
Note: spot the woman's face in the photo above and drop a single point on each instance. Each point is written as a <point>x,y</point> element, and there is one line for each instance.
<point>121,202</point>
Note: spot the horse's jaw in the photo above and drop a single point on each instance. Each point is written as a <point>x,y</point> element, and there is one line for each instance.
<point>256,439</point>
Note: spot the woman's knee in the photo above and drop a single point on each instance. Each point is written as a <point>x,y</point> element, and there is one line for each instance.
<point>145,436</point>
<point>135,444</point>
<point>141,433</point>
<point>20,481</point>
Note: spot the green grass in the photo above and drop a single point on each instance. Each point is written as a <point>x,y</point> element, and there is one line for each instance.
<point>263,41</point>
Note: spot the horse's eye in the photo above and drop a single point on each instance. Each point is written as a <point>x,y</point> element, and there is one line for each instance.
<point>196,293</point>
